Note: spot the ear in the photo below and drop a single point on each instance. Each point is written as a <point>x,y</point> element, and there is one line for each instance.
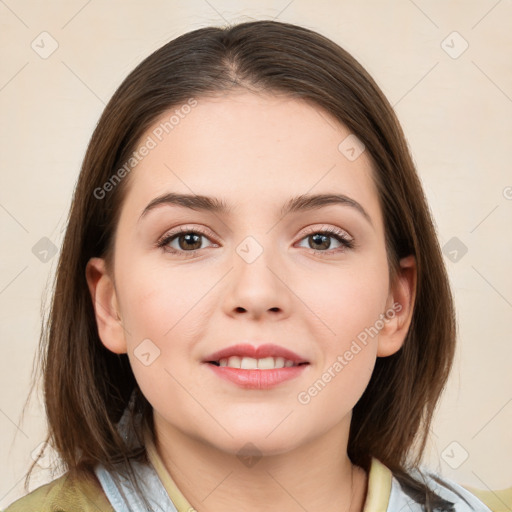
<point>104,299</point>
<point>399,309</point>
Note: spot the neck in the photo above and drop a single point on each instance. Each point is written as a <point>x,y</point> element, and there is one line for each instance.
<point>317,475</point>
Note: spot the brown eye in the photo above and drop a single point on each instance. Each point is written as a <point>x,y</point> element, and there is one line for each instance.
<point>322,240</point>
<point>188,241</point>
<point>183,241</point>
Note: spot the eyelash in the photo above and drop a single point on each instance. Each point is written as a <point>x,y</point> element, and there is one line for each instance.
<point>338,234</point>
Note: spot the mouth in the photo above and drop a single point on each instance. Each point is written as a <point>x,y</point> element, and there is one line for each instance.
<point>251,363</point>
<point>249,357</point>
<point>262,367</point>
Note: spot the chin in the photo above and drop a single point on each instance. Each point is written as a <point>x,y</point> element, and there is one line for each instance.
<point>257,443</point>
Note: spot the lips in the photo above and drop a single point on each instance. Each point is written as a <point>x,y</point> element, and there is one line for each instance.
<point>259,352</point>
<point>242,365</point>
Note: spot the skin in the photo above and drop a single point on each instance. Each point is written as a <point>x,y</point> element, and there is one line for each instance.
<point>255,152</point>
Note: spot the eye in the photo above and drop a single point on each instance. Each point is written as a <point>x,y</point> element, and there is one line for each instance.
<point>320,240</point>
<point>183,240</point>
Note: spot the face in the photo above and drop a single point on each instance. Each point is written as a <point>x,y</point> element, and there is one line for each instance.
<point>311,279</point>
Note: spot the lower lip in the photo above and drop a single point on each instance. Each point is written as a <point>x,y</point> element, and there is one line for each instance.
<point>257,379</point>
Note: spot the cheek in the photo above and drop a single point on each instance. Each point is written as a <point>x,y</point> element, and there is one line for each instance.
<point>346,301</point>
<point>337,387</point>
<point>347,304</point>
<point>159,320</point>
<point>158,301</point>
<point>347,347</point>
<point>164,313</point>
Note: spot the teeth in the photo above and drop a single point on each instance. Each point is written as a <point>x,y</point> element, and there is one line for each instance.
<point>249,363</point>
<point>268,363</point>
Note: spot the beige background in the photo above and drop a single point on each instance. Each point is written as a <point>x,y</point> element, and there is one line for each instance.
<point>455,107</point>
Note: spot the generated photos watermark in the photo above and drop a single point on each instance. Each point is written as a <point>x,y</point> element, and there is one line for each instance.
<point>342,360</point>
<point>150,143</point>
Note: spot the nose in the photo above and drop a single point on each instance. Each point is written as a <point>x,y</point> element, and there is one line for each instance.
<point>257,287</point>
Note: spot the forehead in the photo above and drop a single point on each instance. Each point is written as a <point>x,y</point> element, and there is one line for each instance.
<point>252,149</point>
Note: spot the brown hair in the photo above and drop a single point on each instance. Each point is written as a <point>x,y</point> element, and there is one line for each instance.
<point>87,387</point>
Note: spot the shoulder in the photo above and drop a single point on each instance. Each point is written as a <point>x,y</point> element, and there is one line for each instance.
<point>65,494</point>
<point>461,498</point>
<point>497,500</point>
<point>387,491</point>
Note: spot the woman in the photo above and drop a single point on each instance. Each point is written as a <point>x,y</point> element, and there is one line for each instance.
<point>251,307</point>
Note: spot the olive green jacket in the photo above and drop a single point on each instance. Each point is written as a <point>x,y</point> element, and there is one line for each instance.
<point>65,494</point>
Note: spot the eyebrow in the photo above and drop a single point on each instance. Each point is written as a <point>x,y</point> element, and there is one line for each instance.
<point>302,202</point>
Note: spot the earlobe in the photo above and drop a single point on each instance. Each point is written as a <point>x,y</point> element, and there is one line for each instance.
<point>106,310</point>
<point>400,309</point>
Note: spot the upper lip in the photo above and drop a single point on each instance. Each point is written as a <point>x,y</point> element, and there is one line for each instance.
<point>259,352</point>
